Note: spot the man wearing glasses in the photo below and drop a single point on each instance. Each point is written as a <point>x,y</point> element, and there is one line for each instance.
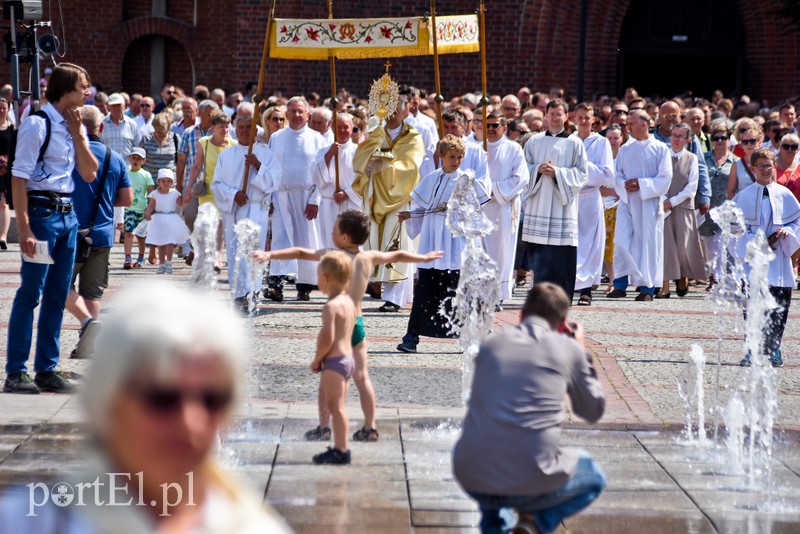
<point>509,177</point>
<point>168,94</point>
<point>145,118</point>
<point>511,107</point>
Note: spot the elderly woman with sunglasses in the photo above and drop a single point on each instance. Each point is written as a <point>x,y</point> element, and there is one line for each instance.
<point>720,161</point>
<point>742,175</point>
<point>167,373</point>
<point>787,169</point>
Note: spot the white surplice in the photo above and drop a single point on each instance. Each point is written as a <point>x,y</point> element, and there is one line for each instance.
<point>432,192</point>
<point>430,137</point>
<point>778,209</point>
<point>295,151</point>
<point>325,182</point>
<point>228,180</point>
<point>509,176</point>
<point>551,207</point>
<point>591,212</point>
<point>639,232</point>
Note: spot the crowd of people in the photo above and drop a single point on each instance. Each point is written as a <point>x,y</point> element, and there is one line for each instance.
<point>614,191</point>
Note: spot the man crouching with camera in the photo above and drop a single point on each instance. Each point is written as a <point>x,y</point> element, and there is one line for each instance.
<point>509,455</point>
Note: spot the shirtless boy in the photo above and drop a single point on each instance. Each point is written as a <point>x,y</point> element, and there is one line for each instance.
<point>334,358</point>
<point>349,233</point>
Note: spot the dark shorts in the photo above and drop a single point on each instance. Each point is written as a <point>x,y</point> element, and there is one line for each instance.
<point>359,334</point>
<point>93,274</point>
<point>132,220</point>
<point>343,365</point>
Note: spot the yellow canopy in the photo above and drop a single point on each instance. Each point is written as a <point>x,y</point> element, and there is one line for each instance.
<point>315,39</point>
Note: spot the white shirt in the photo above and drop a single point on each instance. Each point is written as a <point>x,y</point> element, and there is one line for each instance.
<point>54,172</point>
<point>145,127</point>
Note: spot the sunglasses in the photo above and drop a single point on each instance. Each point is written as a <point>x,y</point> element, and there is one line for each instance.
<point>748,141</point>
<point>720,138</point>
<point>493,126</point>
<point>743,130</point>
<point>786,146</point>
<point>356,129</point>
<point>637,109</point>
<point>620,112</point>
<point>168,401</point>
<point>144,105</point>
<point>277,119</point>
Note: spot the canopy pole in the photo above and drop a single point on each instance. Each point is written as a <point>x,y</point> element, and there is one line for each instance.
<point>335,124</point>
<point>485,99</point>
<point>257,97</point>
<point>439,99</point>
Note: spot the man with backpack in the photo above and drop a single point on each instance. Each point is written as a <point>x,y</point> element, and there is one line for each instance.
<point>51,143</point>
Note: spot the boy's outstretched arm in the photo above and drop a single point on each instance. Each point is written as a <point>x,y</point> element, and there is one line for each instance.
<point>293,253</point>
<point>402,256</point>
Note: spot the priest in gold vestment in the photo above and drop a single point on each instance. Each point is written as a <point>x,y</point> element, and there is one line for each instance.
<point>386,165</point>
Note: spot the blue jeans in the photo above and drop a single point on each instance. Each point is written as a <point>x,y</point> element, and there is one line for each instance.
<point>50,283</point>
<point>622,283</point>
<point>583,487</point>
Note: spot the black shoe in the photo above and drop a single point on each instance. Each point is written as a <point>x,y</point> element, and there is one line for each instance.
<point>660,295</point>
<point>3,244</point>
<point>389,307</point>
<point>366,434</point>
<point>332,456</point>
<point>321,433</point>
<point>273,293</point>
<point>644,296</point>
<point>745,362</point>
<point>617,293</point>
<point>54,382</point>
<point>242,305</point>
<point>407,346</point>
<point>189,258</point>
<point>304,296</point>
<point>20,383</point>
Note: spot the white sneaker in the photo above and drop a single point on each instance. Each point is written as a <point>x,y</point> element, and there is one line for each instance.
<point>86,340</point>
<point>161,268</point>
<point>168,267</point>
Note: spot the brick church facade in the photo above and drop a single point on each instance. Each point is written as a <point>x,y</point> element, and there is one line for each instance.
<point>658,47</point>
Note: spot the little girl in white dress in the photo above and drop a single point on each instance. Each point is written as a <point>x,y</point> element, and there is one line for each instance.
<point>165,226</point>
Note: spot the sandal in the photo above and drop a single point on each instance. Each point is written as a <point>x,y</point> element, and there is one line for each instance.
<point>585,300</point>
<point>321,433</point>
<point>366,434</point>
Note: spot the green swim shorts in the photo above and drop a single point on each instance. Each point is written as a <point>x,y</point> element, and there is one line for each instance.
<point>359,334</point>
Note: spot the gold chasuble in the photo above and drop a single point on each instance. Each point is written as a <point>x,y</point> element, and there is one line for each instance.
<point>386,173</point>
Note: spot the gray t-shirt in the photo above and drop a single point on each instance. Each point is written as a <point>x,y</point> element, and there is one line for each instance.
<point>510,443</point>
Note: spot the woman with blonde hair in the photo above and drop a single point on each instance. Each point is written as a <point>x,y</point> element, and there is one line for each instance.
<point>167,374</point>
<point>272,120</point>
<point>742,174</point>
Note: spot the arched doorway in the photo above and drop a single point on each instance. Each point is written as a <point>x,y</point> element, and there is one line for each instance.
<point>668,48</point>
<point>153,60</point>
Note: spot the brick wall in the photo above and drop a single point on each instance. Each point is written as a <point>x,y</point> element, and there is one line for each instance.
<point>531,43</point>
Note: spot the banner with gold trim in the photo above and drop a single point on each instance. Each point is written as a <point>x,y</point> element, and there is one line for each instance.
<point>317,39</point>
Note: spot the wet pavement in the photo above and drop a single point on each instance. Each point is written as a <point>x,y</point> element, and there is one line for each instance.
<point>403,483</point>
